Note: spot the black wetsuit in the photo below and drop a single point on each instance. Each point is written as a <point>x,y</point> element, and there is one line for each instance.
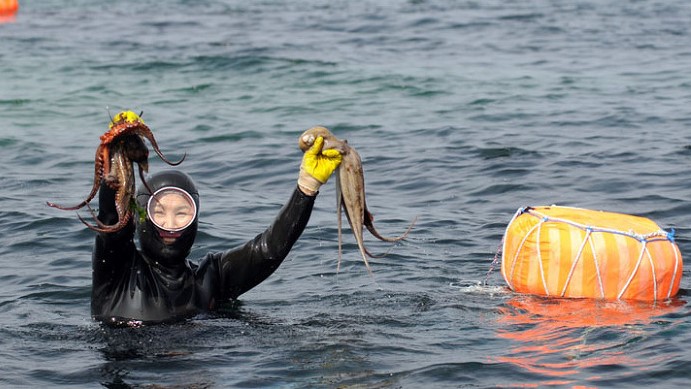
<point>130,285</point>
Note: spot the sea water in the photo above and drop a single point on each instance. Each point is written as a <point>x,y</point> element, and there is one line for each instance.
<point>463,111</point>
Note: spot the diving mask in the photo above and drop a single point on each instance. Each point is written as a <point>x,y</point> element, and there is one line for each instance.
<point>171,210</point>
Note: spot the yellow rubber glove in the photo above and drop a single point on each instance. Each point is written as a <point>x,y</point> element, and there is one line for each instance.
<point>317,166</point>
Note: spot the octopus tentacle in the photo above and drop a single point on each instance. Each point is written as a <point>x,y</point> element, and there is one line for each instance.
<point>141,176</point>
<point>144,131</point>
<point>102,227</point>
<point>137,152</point>
<point>121,178</point>
<point>103,154</point>
<point>141,129</point>
<point>99,170</point>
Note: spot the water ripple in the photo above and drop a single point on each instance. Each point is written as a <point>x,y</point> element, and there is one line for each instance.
<point>462,112</point>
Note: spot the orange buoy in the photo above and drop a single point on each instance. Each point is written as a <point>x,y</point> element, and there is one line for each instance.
<point>8,9</point>
<point>574,252</point>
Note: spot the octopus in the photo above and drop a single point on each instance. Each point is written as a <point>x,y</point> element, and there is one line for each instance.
<point>350,192</point>
<point>121,146</point>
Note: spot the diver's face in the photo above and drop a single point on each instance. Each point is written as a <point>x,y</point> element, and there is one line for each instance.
<point>171,211</point>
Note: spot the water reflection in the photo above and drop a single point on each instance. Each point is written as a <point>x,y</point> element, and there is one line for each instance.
<point>162,356</point>
<point>561,341</point>
<point>152,356</point>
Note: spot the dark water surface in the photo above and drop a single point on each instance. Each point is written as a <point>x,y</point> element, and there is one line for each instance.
<point>463,111</point>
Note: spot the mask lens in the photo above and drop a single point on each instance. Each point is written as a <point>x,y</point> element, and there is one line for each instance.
<point>171,209</point>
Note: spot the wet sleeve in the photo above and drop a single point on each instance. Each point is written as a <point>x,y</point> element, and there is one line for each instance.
<point>243,268</point>
<point>112,251</point>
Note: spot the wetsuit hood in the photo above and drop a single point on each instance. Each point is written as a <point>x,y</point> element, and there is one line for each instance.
<point>150,238</point>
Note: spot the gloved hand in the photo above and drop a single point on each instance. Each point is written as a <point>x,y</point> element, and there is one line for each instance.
<point>317,166</point>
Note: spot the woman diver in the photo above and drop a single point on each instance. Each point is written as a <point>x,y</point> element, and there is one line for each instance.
<point>157,283</point>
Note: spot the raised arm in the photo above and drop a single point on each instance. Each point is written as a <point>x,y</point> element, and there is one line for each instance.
<point>114,247</point>
<point>113,250</point>
<point>238,270</point>
<point>243,268</point>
